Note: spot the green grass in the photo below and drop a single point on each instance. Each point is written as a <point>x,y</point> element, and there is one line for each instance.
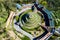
<point>25,38</point>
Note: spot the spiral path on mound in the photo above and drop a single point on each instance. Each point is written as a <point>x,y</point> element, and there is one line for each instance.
<point>30,20</point>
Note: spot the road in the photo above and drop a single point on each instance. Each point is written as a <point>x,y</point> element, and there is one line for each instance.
<point>48,34</point>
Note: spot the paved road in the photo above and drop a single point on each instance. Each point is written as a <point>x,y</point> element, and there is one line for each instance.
<point>25,33</point>
<point>22,31</point>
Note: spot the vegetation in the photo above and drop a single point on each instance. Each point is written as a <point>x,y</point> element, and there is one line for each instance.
<point>25,38</point>
<point>7,5</point>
